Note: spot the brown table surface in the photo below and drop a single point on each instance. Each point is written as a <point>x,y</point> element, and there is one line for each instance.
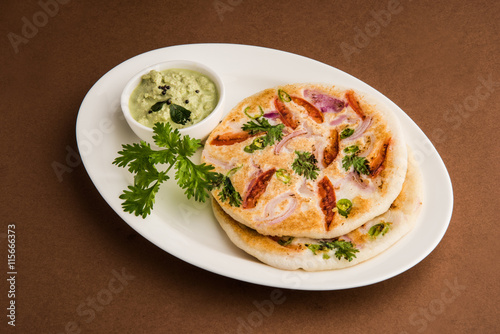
<point>438,61</point>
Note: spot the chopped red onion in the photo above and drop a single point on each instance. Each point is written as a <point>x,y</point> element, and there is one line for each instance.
<point>370,148</point>
<point>271,206</point>
<point>354,176</point>
<point>304,189</point>
<point>361,129</point>
<point>214,161</point>
<point>339,119</point>
<point>324,102</point>
<point>289,136</point>
<point>272,115</point>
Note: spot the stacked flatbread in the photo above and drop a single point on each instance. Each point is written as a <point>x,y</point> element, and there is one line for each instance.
<point>325,177</point>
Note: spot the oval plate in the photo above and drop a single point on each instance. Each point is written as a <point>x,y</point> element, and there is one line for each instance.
<point>188,229</point>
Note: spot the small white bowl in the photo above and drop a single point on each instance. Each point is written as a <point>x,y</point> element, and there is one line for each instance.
<point>200,130</point>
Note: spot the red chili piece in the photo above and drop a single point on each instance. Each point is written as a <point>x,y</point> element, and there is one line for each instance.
<point>332,150</point>
<point>257,189</point>
<point>327,200</point>
<point>377,158</point>
<point>285,114</point>
<point>353,102</point>
<point>312,111</point>
<point>230,138</point>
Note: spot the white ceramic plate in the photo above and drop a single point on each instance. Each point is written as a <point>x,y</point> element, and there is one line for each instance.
<point>188,229</point>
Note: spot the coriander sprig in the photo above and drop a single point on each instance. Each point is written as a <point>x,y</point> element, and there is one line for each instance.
<point>360,164</point>
<point>228,191</point>
<point>141,160</point>
<point>305,164</point>
<point>273,133</point>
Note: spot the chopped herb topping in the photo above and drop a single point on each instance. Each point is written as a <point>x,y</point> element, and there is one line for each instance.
<point>306,165</point>
<point>360,164</point>
<point>228,192</point>
<point>343,249</point>
<point>273,133</point>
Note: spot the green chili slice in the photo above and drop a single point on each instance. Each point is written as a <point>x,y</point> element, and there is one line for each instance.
<point>346,133</point>
<point>261,113</point>
<point>351,149</point>
<point>380,228</point>
<point>257,144</point>
<point>284,96</point>
<point>234,170</point>
<point>344,206</point>
<point>283,175</point>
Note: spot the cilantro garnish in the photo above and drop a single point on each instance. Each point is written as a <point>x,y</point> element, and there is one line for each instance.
<point>306,165</point>
<point>274,133</point>
<point>360,164</point>
<point>141,160</point>
<point>228,192</point>
<point>343,249</point>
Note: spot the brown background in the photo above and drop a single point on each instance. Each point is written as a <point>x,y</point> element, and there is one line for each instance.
<point>431,59</point>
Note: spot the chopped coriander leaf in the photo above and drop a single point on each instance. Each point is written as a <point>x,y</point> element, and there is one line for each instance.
<point>343,249</point>
<point>306,165</point>
<point>347,132</point>
<point>228,192</point>
<point>315,248</point>
<point>273,133</point>
<point>360,164</point>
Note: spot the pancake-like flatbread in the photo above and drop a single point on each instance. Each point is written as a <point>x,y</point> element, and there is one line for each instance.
<point>277,199</point>
<point>386,229</point>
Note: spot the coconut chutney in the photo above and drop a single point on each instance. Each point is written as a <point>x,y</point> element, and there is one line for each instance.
<point>151,100</point>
